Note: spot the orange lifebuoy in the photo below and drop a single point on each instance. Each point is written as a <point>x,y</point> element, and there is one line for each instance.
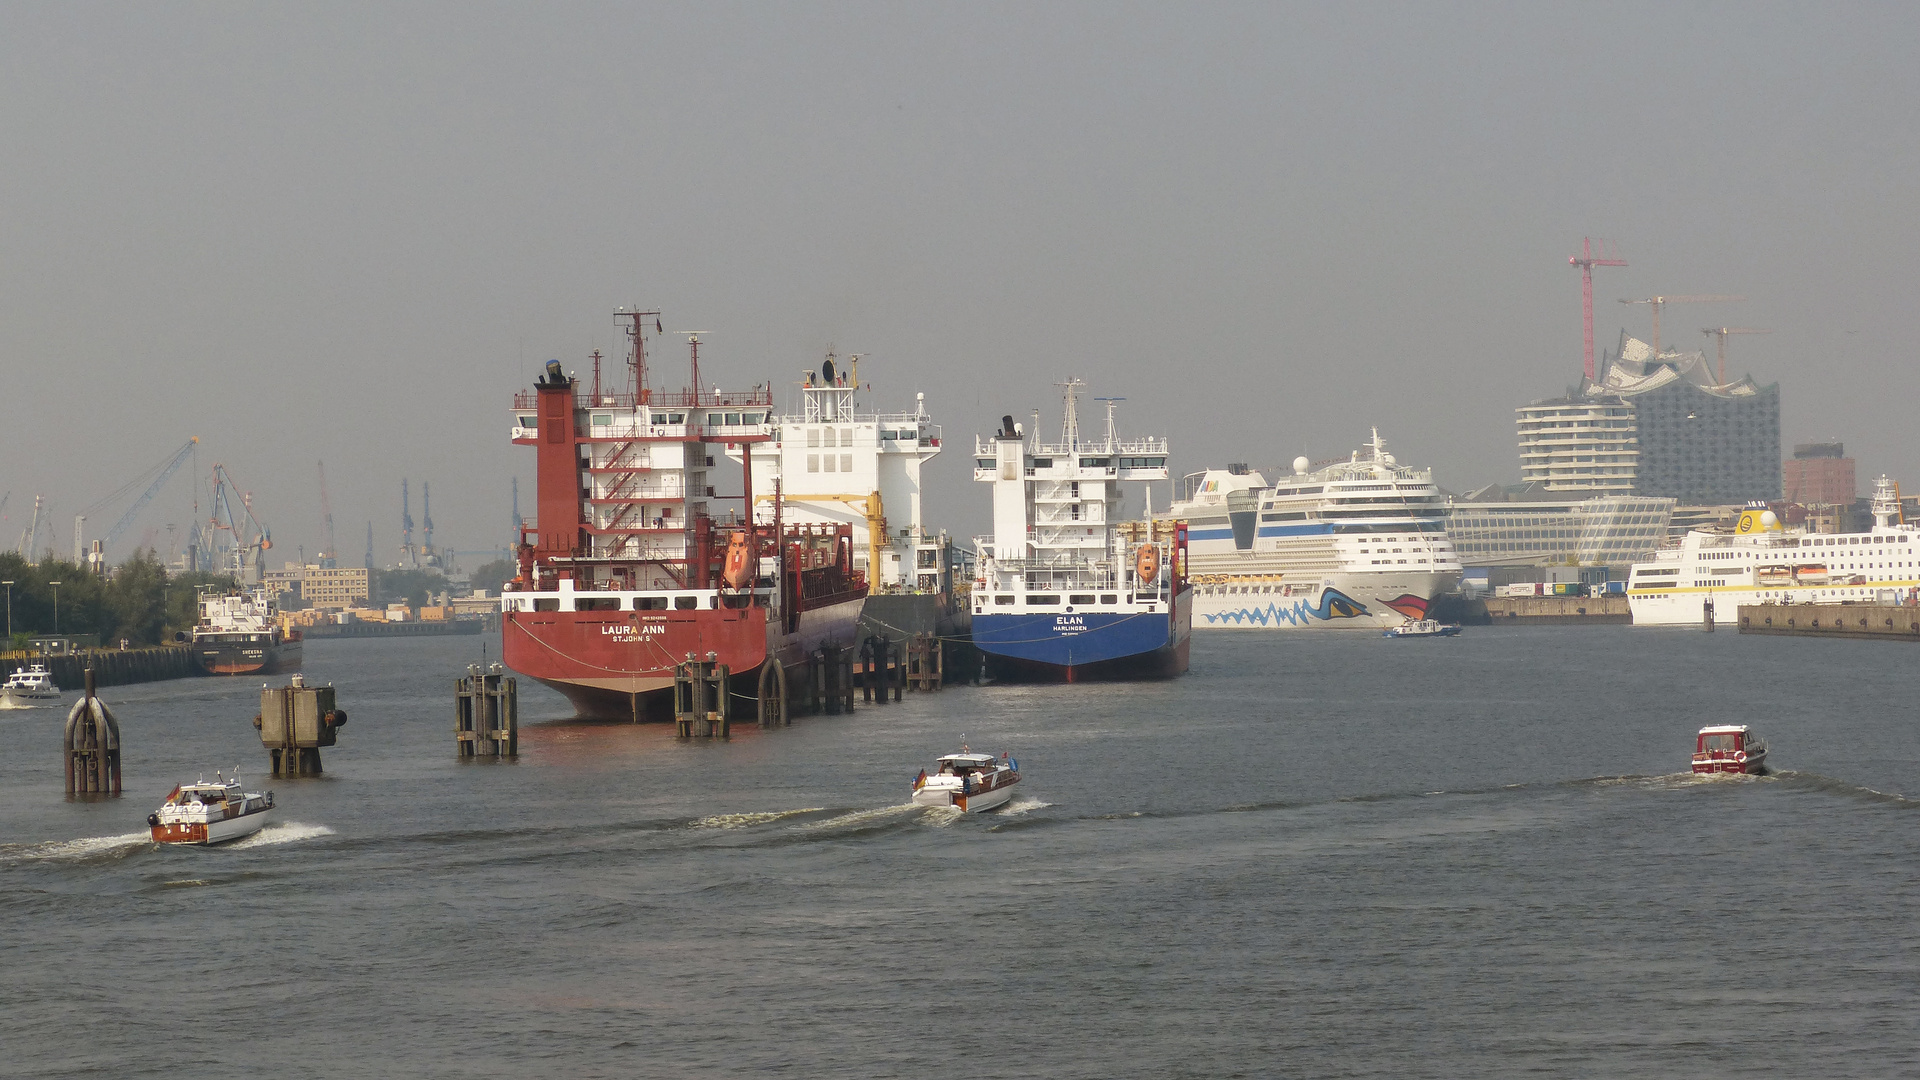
<point>738,574</point>
<point>1740,755</point>
<point>1146,563</point>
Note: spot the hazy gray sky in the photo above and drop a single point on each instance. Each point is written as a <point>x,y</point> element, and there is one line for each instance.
<point>350,233</point>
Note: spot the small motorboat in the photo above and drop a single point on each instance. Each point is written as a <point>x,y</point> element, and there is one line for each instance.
<point>1422,628</point>
<point>1729,748</point>
<point>28,688</point>
<point>208,813</point>
<point>972,782</point>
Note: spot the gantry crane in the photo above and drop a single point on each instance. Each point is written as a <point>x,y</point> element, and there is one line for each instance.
<point>1722,332</point>
<point>1656,302</point>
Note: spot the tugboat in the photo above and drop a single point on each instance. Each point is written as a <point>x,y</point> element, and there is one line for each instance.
<point>1729,748</point>
<point>1421,628</point>
<point>29,687</point>
<point>203,813</point>
<point>973,782</point>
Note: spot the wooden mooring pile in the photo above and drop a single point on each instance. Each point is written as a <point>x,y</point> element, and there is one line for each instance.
<point>92,746</point>
<point>826,682</point>
<point>486,713</point>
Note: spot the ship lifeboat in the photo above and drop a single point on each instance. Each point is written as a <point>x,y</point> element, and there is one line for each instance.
<point>1729,748</point>
<point>1146,564</point>
<point>739,567</point>
<point>1815,574</point>
<point>1773,576</point>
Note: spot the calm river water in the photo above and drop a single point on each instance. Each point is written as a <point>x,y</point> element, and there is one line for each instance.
<point>1316,855</point>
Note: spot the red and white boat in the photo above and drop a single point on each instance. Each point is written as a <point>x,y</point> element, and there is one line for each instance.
<point>630,568</point>
<point>972,782</point>
<point>1729,748</point>
<point>208,813</point>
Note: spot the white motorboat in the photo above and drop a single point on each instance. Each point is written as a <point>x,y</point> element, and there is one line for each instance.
<point>972,782</point>
<point>1419,628</point>
<point>208,813</point>
<point>28,688</point>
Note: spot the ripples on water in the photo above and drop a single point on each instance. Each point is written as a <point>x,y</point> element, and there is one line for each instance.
<point>1316,855</point>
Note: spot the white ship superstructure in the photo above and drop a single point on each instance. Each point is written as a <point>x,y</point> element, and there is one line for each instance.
<point>838,465</point>
<point>1762,563</point>
<point>1360,543</point>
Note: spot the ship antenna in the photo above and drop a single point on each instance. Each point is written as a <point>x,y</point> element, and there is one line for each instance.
<point>1113,432</point>
<point>637,359</point>
<point>1071,426</point>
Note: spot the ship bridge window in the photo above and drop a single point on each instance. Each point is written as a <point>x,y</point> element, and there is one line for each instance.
<point>685,603</point>
<point>1042,463</point>
<point>1096,463</point>
<point>601,419</point>
<point>523,421</point>
<point>983,463</point>
<point>1003,601</point>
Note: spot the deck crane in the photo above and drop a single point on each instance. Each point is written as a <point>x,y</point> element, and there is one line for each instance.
<point>1722,332</point>
<point>1586,261</point>
<point>243,549</point>
<point>1657,302</point>
<point>331,556</point>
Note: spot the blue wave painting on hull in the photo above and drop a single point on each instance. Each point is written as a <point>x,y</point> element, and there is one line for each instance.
<point>1334,604</point>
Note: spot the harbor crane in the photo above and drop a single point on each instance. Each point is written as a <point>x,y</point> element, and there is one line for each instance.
<point>1722,332</point>
<point>155,477</point>
<point>331,556</point>
<point>1657,302</point>
<point>1586,261</point>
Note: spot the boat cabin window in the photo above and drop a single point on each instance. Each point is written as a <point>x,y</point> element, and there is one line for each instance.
<point>1723,743</point>
<point>685,603</point>
<point>1003,601</point>
<point>1080,598</point>
<point>546,603</point>
<point>1043,599</point>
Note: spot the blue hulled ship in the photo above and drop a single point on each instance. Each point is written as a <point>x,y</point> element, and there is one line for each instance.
<point>1065,590</point>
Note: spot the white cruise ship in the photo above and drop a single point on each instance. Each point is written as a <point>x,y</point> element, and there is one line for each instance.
<point>1761,563</point>
<point>1360,543</point>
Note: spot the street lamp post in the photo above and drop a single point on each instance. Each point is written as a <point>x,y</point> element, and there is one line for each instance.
<point>56,607</point>
<point>9,586</point>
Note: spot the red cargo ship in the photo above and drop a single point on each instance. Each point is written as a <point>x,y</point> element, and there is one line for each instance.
<point>627,570</point>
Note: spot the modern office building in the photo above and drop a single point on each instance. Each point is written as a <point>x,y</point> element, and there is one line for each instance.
<point>1661,427</point>
<point>1819,474</point>
<point>1497,526</point>
<point>1579,444</point>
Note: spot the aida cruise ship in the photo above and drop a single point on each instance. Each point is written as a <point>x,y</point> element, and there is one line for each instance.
<point>1759,562</point>
<point>1361,543</point>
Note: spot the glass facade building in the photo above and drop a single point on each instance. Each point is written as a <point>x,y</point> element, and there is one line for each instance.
<point>1490,529</point>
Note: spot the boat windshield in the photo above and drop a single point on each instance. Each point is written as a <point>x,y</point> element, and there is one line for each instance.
<point>1722,743</point>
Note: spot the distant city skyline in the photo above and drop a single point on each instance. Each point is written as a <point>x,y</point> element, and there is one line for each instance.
<point>351,235</point>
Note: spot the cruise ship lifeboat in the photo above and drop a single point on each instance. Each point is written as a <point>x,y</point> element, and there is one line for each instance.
<point>1810,575</point>
<point>1729,748</point>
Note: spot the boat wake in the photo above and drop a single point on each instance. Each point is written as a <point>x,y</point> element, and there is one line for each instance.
<point>285,832</point>
<point>85,847</point>
<point>1021,805</point>
<point>859,819</point>
<point>742,821</point>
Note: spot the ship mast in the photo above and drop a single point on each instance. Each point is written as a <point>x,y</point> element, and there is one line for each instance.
<point>637,359</point>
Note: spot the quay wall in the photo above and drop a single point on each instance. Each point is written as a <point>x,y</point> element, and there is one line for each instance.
<point>1537,610</point>
<point>1889,622</point>
<point>112,667</point>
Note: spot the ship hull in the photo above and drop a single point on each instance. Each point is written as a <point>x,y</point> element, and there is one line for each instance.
<point>1336,602</point>
<point>1086,647</point>
<point>620,665</point>
<point>249,658</point>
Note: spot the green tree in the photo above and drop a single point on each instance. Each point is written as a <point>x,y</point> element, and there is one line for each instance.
<point>491,576</point>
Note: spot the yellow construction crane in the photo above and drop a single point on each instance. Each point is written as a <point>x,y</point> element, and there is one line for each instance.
<point>1656,302</point>
<point>1722,332</point>
<point>869,505</point>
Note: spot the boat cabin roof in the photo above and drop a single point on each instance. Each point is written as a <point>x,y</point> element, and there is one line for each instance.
<point>969,759</point>
<point>1723,729</point>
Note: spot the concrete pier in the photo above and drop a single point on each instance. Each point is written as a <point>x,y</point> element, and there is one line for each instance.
<point>1887,622</point>
<point>1546,610</point>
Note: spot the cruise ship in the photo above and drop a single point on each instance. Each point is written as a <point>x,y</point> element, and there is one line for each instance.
<point>1360,543</point>
<point>1064,590</point>
<point>1760,562</point>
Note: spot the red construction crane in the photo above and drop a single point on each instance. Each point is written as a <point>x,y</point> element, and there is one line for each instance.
<point>1722,332</point>
<point>1657,301</point>
<point>1586,261</point>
